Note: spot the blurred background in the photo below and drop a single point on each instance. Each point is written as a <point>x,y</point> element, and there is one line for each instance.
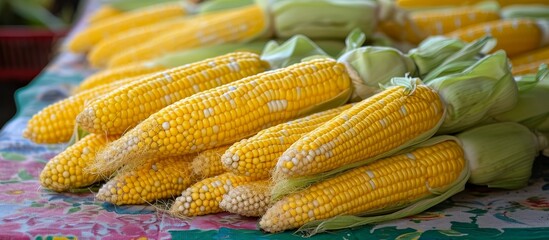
<point>30,31</point>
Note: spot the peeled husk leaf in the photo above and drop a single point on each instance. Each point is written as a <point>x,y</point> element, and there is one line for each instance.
<point>485,89</point>
<point>525,11</point>
<point>501,155</point>
<point>432,51</point>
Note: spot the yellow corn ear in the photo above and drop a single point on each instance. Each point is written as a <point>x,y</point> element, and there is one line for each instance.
<point>156,179</point>
<point>208,163</point>
<point>89,37</point>
<point>56,122</point>
<point>531,57</point>
<point>249,199</point>
<point>204,196</point>
<point>515,36</point>
<point>528,68</point>
<point>67,170</point>
<point>234,25</point>
<point>112,75</point>
<point>436,23</point>
<point>384,184</point>
<point>257,155</point>
<point>102,13</point>
<point>124,108</point>
<point>234,111</point>
<point>101,53</point>
<point>371,127</point>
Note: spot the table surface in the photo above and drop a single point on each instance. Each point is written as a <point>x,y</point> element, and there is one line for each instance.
<point>27,211</point>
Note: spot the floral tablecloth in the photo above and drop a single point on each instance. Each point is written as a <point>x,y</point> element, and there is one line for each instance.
<point>27,211</point>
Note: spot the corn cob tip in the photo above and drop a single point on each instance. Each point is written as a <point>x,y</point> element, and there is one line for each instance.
<point>250,200</point>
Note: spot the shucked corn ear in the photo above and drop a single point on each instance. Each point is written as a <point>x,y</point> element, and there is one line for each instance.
<point>125,40</point>
<point>124,108</point>
<point>530,57</point>
<point>233,25</point>
<point>112,75</point>
<point>515,36</point>
<point>529,68</point>
<point>389,120</point>
<point>67,170</point>
<point>157,178</point>
<point>208,163</point>
<point>228,113</point>
<point>204,196</point>
<point>249,199</point>
<point>86,39</point>
<point>432,23</point>
<point>102,13</point>
<point>388,183</point>
<point>56,122</point>
<point>256,156</point>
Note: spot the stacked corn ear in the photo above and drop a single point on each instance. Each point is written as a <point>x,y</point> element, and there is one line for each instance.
<point>439,22</point>
<point>125,107</point>
<point>249,199</point>
<point>204,196</point>
<point>102,13</point>
<point>410,181</point>
<point>515,36</point>
<point>529,62</point>
<point>69,169</point>
<point>56,123</point>
<point>233,25</point>
<point>234,111</point>
<point>156,179</point>
<point>83,41</point>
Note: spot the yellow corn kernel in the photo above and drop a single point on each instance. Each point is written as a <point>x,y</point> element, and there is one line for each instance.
<point>371,127</point>
<point>531,57</point>
<point>124,108</point>
<point>208,163</point>
<point>234,25</point>
<point>115,74</point>
<point>257,155</point>
<point>157,178</point>
<point>423,24</point>
<point>106,48</point>
<point>67,170</point>
<point>387,183</point>
<point>86,39</point>
<point>249,199</point>
<point>204,196</point>
<point>234,111</point>
<point>56,122</point>
<point>515,36</point>
<point>102,13</point>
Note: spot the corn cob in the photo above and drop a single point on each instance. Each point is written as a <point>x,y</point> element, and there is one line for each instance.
<point>371,127</point>
<point>112,75</point>
<point>56,122</point>
<point>387,183</point>
<point>249,199</point>
<point>204,196</point>
<point>257,156</point>
<point>102,13</point>
<point>90,36</point>
<point>231,112</point>
<point>234,25</point>
<point>156,179</point>
<point>436,23</point>
<point>106,48</point>
<point>208,163</point>
<point>528,68</point>
<point>515,36</point>
<point>530,57</point>
<point>67,170</point>
<point>126,107</point>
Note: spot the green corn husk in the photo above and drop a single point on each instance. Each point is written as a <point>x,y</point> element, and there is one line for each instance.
<point>484,89</point>
<point>438,52</point>
<point>216,5</point>
<point>532,108</point>
<point>128,5</point>
<point>501,155</point>
<point>525,11</point>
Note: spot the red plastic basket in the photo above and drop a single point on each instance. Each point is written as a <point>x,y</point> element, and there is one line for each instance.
<point>24,52</point>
